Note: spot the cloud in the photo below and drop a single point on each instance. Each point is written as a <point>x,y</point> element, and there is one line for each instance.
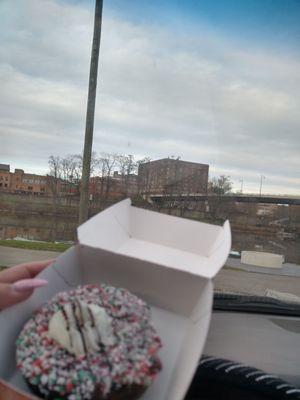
<point>195,94</point>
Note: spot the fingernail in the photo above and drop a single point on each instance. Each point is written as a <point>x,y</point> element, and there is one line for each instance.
<point>28,284</point>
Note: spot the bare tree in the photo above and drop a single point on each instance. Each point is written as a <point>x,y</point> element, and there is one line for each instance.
<point>221,185</point>
<point>54,177</point>
<point>144,177</point>
<point>77,168</point>
<point>107,163</point>
<point>54,163</point>
<point>55,166</point>
<point>99,173</point>
<point>127,166</point>
<point>71,170</point>
<point>65,172</point>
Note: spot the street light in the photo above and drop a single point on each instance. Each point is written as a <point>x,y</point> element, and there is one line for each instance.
<point>261,180</point>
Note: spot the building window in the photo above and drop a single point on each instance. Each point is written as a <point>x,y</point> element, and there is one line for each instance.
<point>30,187</point>
<point>5,185</point>
<point>0,184</point>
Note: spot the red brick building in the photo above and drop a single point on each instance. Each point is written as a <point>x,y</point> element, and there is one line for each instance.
<point>172,176</point>
<point>113,187</point>
<point>24,183</point>
<point>5,178</point>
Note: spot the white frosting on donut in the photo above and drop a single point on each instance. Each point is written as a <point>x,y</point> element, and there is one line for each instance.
<point>82,328</point>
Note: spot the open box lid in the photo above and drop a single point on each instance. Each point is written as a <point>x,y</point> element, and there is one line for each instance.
<point>161,256</point>
<point>194,247</point>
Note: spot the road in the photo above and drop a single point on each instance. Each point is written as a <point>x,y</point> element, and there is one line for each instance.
<point>255,283</point>
<point>228,280</point>
<point>10,256</point>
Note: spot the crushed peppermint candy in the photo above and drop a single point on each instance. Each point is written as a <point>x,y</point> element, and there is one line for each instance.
<point>130,358</point>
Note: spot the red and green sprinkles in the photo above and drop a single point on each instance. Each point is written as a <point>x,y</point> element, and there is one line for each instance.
<point>132,359</point>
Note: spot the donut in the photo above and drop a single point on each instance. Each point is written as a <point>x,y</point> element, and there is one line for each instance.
<point>92,342</point>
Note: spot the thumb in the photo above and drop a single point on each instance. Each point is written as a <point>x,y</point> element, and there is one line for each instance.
<point>9,295</point>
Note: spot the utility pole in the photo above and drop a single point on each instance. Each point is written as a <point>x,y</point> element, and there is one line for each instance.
<point>89,125</point>
<point>242,181</point>
<point>261,180</point>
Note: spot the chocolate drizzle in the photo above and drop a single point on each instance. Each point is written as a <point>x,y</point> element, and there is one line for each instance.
<point>66,318</point>
<point>79,317</point>
<point>92,317</point>
<point>79,326</point>
<point>65,315</point>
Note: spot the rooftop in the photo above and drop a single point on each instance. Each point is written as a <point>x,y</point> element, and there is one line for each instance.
<point>5,167</point>
<point>176,160</point>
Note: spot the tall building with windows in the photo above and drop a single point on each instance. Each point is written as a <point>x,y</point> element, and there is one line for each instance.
<point>5,178</point>
<point>170,176</point>
<point>29,183</point>
<point>22,182</point>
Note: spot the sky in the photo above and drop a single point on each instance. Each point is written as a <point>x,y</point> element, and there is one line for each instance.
<point>215,82</point>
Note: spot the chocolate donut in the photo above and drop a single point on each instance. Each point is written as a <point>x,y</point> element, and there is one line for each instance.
<point>93,342</point>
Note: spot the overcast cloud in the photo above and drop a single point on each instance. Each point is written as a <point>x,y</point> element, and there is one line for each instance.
<point>200,96</point>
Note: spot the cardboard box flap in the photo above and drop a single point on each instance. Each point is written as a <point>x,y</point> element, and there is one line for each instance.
<point>191,246</point>
<point>108,229</point>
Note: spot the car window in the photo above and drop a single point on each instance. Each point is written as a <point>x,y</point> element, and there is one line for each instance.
<point>197,115</point>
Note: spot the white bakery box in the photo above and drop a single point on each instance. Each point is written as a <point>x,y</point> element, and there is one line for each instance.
<point>167,261</point>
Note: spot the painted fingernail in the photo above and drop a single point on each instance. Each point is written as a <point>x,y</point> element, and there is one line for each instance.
<point>28,284</point>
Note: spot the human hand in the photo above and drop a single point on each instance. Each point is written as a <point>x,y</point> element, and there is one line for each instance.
<point>18,283</point>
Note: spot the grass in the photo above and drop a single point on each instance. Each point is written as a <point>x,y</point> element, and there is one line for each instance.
<point>48,246</point>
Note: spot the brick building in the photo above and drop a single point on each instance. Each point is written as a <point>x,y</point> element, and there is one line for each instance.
<point>5,178</point>
<point>128,184</point>
<point>172,176</point>
<point>30,183</point>
<point>114,187</point>
<point>24,183</point>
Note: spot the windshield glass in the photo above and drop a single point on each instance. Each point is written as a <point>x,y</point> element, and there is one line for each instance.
<point>197,115</point>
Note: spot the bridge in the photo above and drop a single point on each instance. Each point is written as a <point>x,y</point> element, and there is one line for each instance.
<point>237,198</point>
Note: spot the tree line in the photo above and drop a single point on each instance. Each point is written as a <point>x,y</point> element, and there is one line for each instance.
<point>69,169</point>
